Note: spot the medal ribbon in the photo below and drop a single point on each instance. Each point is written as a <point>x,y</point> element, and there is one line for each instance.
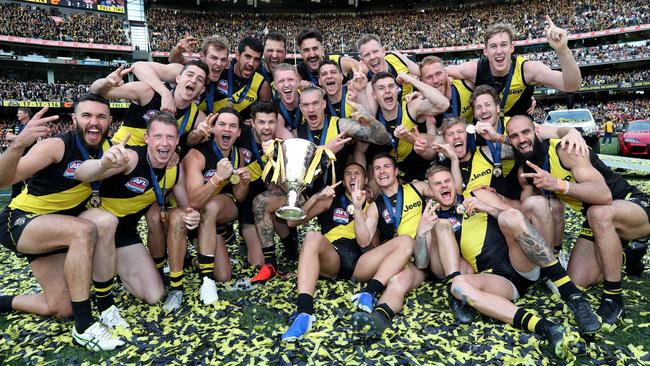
<point>234,156</point>
<point>186,118</point>
<point>495,147</point>
<point>395,212</point>
<point>246,88</point>
<point>330,106</point>
<point>506,89</point>
<point>293,122</point>
<point>323,134</point>
<point>380,117</point>
<point>256,151</point>
<point>160,193</point>
<point>312,78</point>
<point>209,97</point>
<point>84,153</point>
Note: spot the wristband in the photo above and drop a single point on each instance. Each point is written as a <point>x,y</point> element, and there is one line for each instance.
<point>564,190</point>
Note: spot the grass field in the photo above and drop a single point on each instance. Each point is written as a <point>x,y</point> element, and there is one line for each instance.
<point>244,326</point>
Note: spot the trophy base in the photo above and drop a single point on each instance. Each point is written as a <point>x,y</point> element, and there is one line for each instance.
<point>290,213</point>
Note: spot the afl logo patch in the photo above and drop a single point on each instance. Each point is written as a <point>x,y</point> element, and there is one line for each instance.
<point>137,184</point>
<point>455,224</point>
<point>222,86</point>
<point>247,155</point>
<point>150,113</point>
<point>340,216</point>
<point>71,169</point>
<point>386,216</point>
<point>209,174</point>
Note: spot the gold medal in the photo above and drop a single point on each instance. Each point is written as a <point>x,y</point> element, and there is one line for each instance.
<point>471,129</point>
<point>234,179</point>
<point>95,200</point>
<point>350,209</point>
<point>163,216</point>
<point>460,209</point>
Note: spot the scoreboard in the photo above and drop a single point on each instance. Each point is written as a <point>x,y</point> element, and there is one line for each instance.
<point>107,6</point>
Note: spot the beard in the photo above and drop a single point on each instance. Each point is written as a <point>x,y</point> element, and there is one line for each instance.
<point>537,156</point>
<point>93,148</point>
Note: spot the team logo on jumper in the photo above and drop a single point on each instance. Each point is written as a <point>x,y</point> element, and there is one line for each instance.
<point>222,87</point>
<point>455,224</point>
<point>150,113</point>
<point>340,216</point>
<point>386,216</point>
<point>137,184</point>
<point>247,155</point>
<point>209,174</point>
<point>20,221</point>
<point>71,169</point>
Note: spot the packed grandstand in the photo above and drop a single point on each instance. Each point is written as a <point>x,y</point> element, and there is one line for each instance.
<point>611,46</point>
<point>51,52</point>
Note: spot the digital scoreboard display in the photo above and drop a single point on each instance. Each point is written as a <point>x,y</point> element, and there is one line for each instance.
<point>106,6</point>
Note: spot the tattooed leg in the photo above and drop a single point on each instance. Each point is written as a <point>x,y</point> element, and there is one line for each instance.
<point>264,207</point>
<point>526,245</point>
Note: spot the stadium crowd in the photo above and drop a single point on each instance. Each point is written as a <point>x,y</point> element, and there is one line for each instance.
<point>40,91</point>
<point>619,111</point>
<point>597,54</point>
<point>33,22</point>
<point>627,76</point>
<point>340,30</point>
<point>460,26</point>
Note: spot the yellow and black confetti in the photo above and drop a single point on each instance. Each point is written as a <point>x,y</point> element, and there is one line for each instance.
<point>244,327</point>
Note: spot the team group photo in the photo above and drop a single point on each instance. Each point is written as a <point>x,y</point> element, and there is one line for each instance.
<point>335,182</point>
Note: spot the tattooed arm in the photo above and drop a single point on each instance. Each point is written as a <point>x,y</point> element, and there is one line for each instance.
<point>365,128</point>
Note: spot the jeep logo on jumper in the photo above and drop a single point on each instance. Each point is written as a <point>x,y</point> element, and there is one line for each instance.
<point>417,204</point>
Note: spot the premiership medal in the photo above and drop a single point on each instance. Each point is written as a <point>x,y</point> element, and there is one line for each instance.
<point>460,209</point>
<point>497,170</point>
<point>95,200</point>
<point>471,129</point>
<point>234,179</point>
<point>441,157</point>
<point>163,216</point>
<point>350,209</point>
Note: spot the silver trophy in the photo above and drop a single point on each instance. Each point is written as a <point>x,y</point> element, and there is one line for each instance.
<point>297,157</point>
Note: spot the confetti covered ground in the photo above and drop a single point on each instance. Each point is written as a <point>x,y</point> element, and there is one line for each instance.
<point>244,327</point>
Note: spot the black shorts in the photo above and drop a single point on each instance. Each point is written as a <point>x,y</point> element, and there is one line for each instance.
<point>349,253</point>
<point>245,207</point>
<point>642,200</point>
<point>13,222</point>
<point>637,197</point>
<point>507,271</point>
<point>127,231</point>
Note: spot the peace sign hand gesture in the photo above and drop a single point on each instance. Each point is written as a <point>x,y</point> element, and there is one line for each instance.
<point>543,179</point>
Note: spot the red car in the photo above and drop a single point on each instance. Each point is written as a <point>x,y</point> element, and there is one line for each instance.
<point>635,139</point>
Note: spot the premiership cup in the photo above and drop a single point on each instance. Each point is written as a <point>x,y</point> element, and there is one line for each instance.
<point>297,157</point>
